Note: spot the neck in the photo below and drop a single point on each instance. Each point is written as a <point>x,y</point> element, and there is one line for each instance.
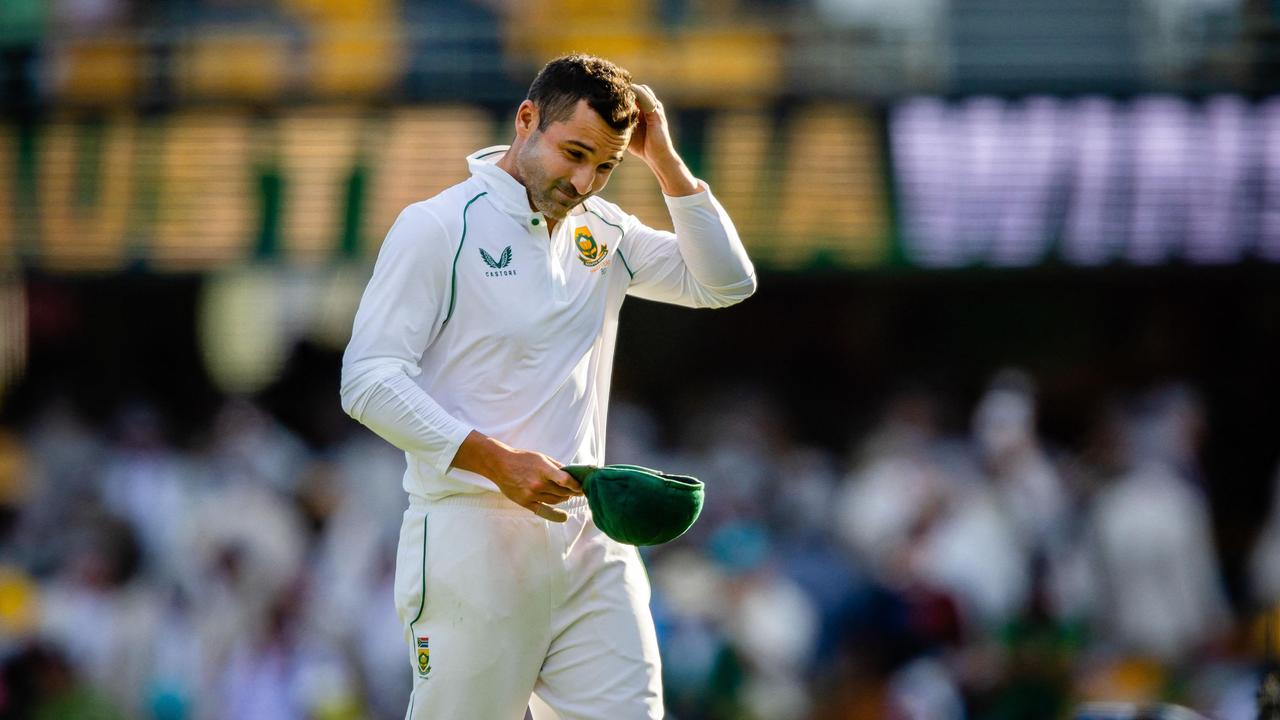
<point>508,163</point>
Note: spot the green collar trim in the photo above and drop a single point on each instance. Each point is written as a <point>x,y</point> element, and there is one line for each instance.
<point>621,234</point>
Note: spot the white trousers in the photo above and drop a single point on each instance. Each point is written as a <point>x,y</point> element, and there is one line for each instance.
<point>500,605</point>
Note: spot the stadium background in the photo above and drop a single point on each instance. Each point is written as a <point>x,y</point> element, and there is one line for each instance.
<point>997,435</point>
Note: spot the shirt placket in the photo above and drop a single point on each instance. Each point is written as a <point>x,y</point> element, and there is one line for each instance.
<point>552,245</point>
<point>560,280</point>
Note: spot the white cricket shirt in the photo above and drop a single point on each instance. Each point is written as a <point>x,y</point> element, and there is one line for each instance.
<point>477,318</point>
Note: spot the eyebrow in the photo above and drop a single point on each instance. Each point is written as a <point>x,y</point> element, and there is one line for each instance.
<point>617,158</point>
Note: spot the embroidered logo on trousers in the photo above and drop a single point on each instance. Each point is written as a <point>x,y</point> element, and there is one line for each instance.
<point>424,655</point>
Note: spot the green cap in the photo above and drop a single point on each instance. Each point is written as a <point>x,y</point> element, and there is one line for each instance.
<point>639,506</point>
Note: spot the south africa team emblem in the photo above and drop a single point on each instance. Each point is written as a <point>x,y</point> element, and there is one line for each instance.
<point>590,252</point>
<point>424,657</point>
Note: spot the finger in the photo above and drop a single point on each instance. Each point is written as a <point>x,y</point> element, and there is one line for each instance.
<point>556,493</point>
<point>566,481</point>
<point>553,487</point>
<point>645,99</point>
<point>548,513</point>
<point>549,499</point>
<point>657,104</point>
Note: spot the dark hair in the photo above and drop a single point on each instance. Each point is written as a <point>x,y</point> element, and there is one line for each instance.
<point>566,80</point>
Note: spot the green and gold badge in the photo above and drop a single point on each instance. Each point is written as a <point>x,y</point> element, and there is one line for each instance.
<point>424,657</point>
<point>590,252</point>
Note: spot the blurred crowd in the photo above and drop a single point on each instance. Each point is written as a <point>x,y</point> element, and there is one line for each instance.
<point>927,574</point>
<point>932,575</point>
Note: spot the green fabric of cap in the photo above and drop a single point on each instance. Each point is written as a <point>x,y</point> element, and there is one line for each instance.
<point>639,506</point>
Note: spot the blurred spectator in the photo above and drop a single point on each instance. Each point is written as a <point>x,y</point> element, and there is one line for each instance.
<point>1159,591</point>
<point>65,457</point>
<point>1264,566</point>
<point>1004,426</point>
<point>248,445</point>
<point>146,481</point>
<point>920,514</point>
<point>925,690</point>
<point>287,670</point>
<point>102,611</point>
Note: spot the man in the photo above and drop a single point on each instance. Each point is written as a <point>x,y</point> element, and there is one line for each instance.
<point>483,347</point>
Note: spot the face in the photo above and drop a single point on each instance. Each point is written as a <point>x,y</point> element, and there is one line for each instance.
<point>567,162</point>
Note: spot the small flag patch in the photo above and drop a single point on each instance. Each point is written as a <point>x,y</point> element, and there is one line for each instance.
<point>424,657</point>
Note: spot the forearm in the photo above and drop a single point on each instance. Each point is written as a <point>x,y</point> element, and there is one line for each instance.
<point>674,177</point>
<point>481,455</point>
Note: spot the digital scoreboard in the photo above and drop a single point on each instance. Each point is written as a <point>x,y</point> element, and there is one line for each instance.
<point>1086,181</point>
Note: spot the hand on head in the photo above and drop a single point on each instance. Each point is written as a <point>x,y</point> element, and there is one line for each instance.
<point>651,139</point>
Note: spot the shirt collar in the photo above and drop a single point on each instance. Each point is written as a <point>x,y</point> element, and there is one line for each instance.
<point>506,192</point>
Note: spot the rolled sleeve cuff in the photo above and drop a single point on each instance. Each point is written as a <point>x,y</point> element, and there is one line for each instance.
<point>454,437</point>
<point>702,197</point>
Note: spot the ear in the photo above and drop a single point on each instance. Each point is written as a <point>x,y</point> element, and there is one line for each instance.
<point>526,119</point>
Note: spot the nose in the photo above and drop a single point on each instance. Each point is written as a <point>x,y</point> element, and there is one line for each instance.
<point>582,179</point>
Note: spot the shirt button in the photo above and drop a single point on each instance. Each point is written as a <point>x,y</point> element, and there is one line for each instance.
<point>535,221</point>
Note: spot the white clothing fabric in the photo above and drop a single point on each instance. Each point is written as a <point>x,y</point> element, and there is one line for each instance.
<point>507,605</point>
<point>477,318</point>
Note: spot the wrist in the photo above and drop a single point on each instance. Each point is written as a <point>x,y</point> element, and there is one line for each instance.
<point>482,455</point>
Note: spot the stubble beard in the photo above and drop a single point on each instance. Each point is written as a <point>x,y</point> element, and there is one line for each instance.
<point>542,192</point>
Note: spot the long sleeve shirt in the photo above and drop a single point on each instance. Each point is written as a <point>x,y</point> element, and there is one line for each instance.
<point>478,318</point>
